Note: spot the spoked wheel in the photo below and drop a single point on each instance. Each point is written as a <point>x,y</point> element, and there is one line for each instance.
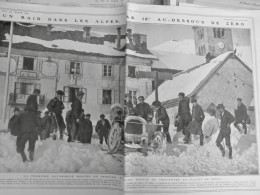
<point>158,143</point>
<point>114,138</point>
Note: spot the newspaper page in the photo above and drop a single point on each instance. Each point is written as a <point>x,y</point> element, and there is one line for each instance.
<point>62,79</point>
<point>71,3</point>
<point>191,76</point>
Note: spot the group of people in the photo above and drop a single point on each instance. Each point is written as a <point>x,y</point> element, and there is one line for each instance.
<point>189,121</point>
<point>27,125</point>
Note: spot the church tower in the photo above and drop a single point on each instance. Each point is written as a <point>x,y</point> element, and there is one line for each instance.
<point>212,41</point>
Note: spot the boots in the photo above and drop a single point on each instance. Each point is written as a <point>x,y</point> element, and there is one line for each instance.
<point>201,139</point>
<point>31,156</point>
<point>168,137</point>
<point>187,138</point>
<point>24,156</point>
<point>230,153</point>
<point>222,150</point>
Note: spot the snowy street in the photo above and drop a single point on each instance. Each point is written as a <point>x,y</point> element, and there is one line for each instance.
<point>195,160</point>
<point>59,157</point>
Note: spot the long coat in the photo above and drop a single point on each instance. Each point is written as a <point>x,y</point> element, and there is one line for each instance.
<point>100,128</point>
<point>241,113</point>
<point>85,130</point>
<point>143,110</point>
<point>162,115</point>
<point>56,106</point>
<point>76,109</point>
<point>226,119</point>
<point>31,103</point>
<point>195,127</point>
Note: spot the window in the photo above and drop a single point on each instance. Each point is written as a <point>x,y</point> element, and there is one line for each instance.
<point>219,32</point>
<point>202,50</point>
<point>133,96</point>
<point>26,88</point>
<point>28,63</point>
<point>131,71</point>
<point>73,67</point>
<point>107,70</point>
<point>71,94</point>
<point>107,97</point>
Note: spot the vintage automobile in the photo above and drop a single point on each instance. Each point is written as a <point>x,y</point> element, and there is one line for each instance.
<point>136,134</point>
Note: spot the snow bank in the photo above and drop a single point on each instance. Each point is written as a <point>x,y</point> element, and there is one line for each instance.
<point>134,53</point>
<point>195,160</point>
<point>59,157</point>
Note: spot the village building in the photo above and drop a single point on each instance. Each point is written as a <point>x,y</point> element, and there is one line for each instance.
<point>71,59</point>
<point>221,79</point>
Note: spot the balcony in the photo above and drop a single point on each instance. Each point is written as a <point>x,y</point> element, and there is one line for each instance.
<point>20,99</point>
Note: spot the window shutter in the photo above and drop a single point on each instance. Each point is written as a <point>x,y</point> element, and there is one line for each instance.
<point>99,96</point>
<point>17,87</point>
<point>39,64</point>
<point>66,94</point>
<point>35,64</point>
<point>67,67</point>
<point>116,96</point>
<point>84,99</point>
<point>20,62</point>
<point>81,68</point>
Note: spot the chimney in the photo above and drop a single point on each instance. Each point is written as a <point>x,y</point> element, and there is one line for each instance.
<point>86,33</point>
<point>118,38</point>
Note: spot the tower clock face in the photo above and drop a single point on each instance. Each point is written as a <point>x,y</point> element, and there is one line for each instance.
<point>221,45</point>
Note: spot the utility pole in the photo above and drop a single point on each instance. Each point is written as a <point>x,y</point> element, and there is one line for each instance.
<point>7,73</point>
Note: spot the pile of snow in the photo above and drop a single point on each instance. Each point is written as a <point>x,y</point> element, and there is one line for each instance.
<point>59,156</point>
<point>195,160</point>
<point>69,45</point>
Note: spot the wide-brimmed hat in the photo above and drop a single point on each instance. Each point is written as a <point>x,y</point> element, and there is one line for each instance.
<point>60,92</point>
<point>156,103</point>
<point>219,106</point>
<point>80,93</point>
<point>181,94</point>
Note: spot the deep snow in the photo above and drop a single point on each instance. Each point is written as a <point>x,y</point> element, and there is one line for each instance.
<point>195,160</point>
<point>59,157</point>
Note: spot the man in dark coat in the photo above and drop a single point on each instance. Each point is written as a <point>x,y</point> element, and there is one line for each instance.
<point>143,109</point>
<point>31,102</point>
<point>161,115</point>
<point>28,123</point>
<point>14,127</point>
<point>184,115</point>
<point>85,129</point>
<point>241,115</point>
<point>102,128</point>
<point>76,109</point>
<point>55,106</point>
<point>197,119</point>
<point>225,130</point>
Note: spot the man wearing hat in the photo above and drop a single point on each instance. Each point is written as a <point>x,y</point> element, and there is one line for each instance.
<point>197,119</point>
<point>76,109</point>
<point>161,115</point>
<point>102,128</point>
<point>143,109</point>
<point>31,103</point>
<point>184,115</point>
<point>225,130</point>
<point>55,107</point>
<point>241,115</point>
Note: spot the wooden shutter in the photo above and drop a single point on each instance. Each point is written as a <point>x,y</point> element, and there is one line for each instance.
<point>116,96</point>
<point>17,87</point>
<point>20,62</point>
<point>84,99</point>
<point>99,96</point>
<point>35,64</point>
<point>66,94</point>
<point>67,67</point>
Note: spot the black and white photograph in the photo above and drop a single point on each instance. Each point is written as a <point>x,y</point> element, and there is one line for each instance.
<point>62,94</point>
<point>190,101</point>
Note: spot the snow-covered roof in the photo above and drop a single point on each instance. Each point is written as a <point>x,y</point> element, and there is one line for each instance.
<point>140,55</point>
<point>69,45</point>
<point>181,82</point>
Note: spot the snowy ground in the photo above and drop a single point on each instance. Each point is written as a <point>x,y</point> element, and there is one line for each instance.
<point>195,160</point>
<point>59,157</point>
